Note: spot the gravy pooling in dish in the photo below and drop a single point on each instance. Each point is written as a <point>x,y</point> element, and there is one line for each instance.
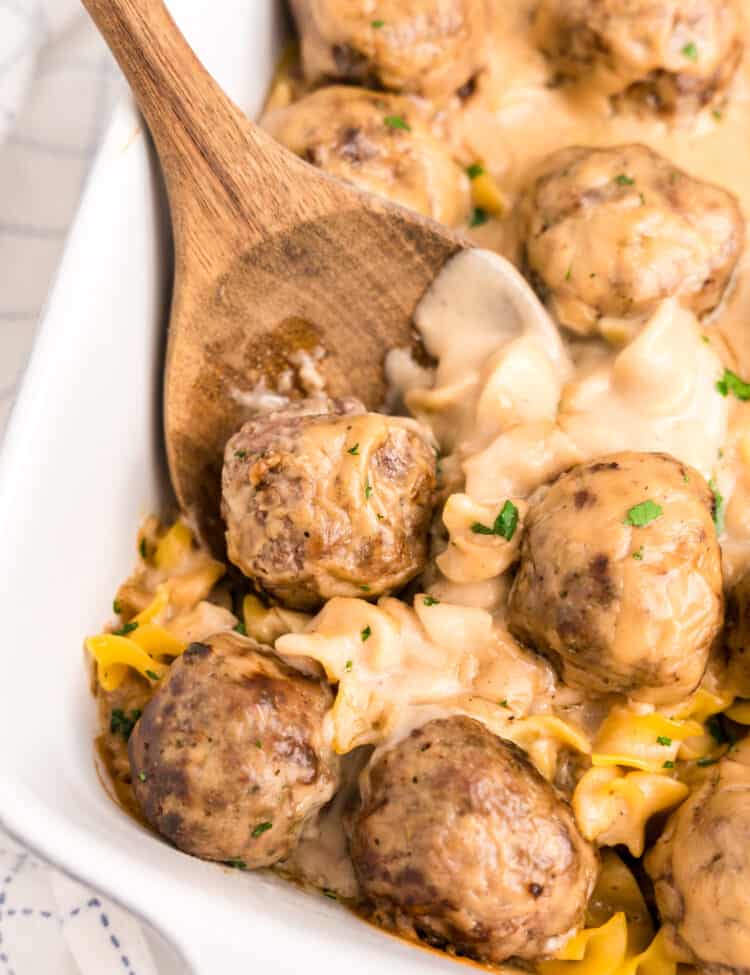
<point>517,615</point>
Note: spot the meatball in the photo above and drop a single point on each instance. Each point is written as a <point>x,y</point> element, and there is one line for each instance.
<point>460,841</point>
<point>229,760</point>
<point>425,47</point>
<point>738,636</point>
<point>379,143</point>
<point>609,233</point>
<point>326,504</point>
<point>669,54</point>
<point>620,576</point>
<point>700,867</point>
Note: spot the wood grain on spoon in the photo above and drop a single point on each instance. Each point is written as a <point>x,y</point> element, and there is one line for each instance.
<point>271,257</point>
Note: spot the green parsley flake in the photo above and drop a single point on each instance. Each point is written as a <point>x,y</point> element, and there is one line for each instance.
<point>330,894</point>
<point>717,114</point>
<point>117,607</point>
<point>241,629</point>
<point>397,122</point>
<point>142,776</point>
<point>258,743</point>
<point>569,272</point>
<point>730,382</point>
<point>504,525</point>
<point>706,339</point>
<point>664,740</point>
<point>125,629</point>
<point>638,556</point>
<point>123,724</point>
<point>690,51</point>
<point>236,864</point>
<point>240,454</point>
<point>504,703</point>
<point>353,450</point>
<point>348,666</point>
<point>377,24</point>
<point>479,217</point>
<point>718,507</point>
<point>668,765</point>
<point>368,490</point>
<point>142,548</point>
<point>705,762</point>
<point>643,514</point>
<point>152,675</point>
<point>475,171</point>
<point>431,601</point>
<point>260,829</point>
<point>366,634</point>
<point>624,180</point>
<point>365,588</point>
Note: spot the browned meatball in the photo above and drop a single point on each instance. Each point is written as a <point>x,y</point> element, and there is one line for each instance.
<point>229,759</point>
<point>609,233</point>
<point>738,636</point>
<point>620,577</point>
<point>462,843</point>
<point>379,143</point>
<point>700,867</point>
<point>426,47</point>
<point>320,505</point>
<point>670,54</point>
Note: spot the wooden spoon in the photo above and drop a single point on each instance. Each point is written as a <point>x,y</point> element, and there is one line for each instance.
<point>272,258</point>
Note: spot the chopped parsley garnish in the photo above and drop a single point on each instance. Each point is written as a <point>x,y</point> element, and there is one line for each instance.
<point>377,24</point>
<point>365,588</point>
<point>642,199</point>
<point>380,517</point>
<point>624,180</point>
<point>569,272</point>
<point>504,703</point>
<point>431,601</point>
<point>479,216</point>
<point>142,776</point>
<point>353,450</point>
<point>260,829</point>
<point>125,629</point>
<point>348,666</point>
<point>240,454</point>
<point>730,382</point>
<point>690,51</point>
<point>331,894</point>
<point>236,864</point>
<point>638,556</point>
<point>643,514</point>
<point>718,507</point>
<point>368,490</point>
<point>719,732</point>
<point>717,114</point>
<point>475,170</point>
<point>142,548</point>
<point>241,629</point>
<point>117,607</point>
<point>123,724</point>
<point>366,634</point>
<point>706,339</point>
<point>397,122</point>
<point>668,765</point>
<point>258,743</point>
<point>664,740</point>
<point>152,675</point>
<point>704,762</point>
<point>504,525</point>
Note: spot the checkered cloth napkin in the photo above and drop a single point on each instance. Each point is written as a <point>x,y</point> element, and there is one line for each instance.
<point>57,86</point>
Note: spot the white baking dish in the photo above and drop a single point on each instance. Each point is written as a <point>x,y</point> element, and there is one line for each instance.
<point>82,463</point>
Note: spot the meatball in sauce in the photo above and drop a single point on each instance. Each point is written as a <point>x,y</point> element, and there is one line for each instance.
<point>229,759</point>
<point>609,233</point>
<point>620,577</point>
<point>323,504</point>
<point>460,842</point>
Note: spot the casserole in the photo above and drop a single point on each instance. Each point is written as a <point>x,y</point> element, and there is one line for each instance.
<point>84,449</point>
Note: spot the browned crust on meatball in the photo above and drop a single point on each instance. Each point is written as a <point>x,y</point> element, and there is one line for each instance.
<point>622,608</point>
<point>668,55</point>
<point>700,866</point>
<point>328,505</point>
<point>461,843</point>
<point>379,143</point>
<point>425,47</point>
<point>610,233</point>
<point>229,759</point>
